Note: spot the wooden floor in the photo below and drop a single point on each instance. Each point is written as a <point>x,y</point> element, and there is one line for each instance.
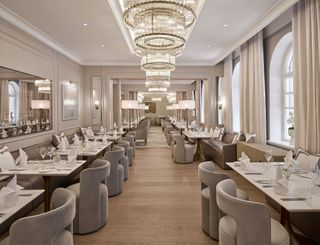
<point>160,204</point>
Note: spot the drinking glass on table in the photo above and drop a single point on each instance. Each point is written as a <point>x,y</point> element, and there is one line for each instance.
<point>268,155</point>
<point>43,152</point>
<point>50,152</point>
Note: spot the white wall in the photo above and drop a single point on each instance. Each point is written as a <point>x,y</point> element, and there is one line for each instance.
<point>20,51</point>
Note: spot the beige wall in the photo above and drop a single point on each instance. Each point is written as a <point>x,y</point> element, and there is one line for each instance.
<point>20,51</point>
<point>115,73</point>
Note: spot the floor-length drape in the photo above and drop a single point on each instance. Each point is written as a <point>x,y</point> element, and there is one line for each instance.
<point>252,88</point>
<point>4,101</point>
<point>306,36</point>
<point>23,100</point>
<point>226,95</point>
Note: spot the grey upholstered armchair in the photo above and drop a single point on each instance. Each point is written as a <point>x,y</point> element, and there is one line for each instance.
<point>92,198</point>
<point>211,214</point>
<point>141,132</point>
<point>128,150</point>
<point>245,222</point>
<point>115,179</point>
<point>124,160</point>
<point>53,227</point>
<point>182,152</point>
<point>130,138</point>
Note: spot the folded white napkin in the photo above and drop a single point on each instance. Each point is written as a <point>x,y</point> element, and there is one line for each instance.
<point>22,158</point>
<point>28,130</point>
<point>288,160</point>
<point>206,130</point>
<point>72,156</point>
<point>102,130</point>
<point>114,125</point>
<point>62,146</point>
<point>9,193</point>
<point>36,121</point>
<point>76,139</point>
<point>211,130</point>
<point>4,133</point>
<point>115,133</point>
<point>244,161</point>
<point>281,187</point>
<point>121,130</point>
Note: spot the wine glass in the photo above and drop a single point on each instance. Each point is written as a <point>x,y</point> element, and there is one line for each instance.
<point>50,152</point>
<point>43,152</point>
<point>268,155</point>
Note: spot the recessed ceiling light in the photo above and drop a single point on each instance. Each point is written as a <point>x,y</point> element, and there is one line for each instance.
<point>102,45</point>
<point>225,25</point>
<point>85,24</point>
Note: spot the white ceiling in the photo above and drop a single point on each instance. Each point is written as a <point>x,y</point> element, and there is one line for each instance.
<point>61,22</point>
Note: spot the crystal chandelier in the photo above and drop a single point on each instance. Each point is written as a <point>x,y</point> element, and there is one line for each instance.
<point>158,62</point>
<point>158,75</point>
<point>157,89</point>
<point>159,25</point>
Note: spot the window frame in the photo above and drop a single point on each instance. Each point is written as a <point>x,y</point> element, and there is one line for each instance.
<point>14,85</point>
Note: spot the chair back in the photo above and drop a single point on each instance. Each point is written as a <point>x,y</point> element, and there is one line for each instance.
<point>178,141</point>
<point>252,218</point>
<point>209,177</point>
<point>125,145</point>
<point>47,227</point>
<point>130,139</point>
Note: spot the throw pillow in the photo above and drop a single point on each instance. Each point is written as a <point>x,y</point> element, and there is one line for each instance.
<point>216,133</point>
<point>6,161</point>
<point>306,161</point>
<point>222,132</point>
<point>250,138</point>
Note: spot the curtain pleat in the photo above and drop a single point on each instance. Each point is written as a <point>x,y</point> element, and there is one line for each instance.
<point>306,51</point>
<point>252,88</point>
<point>4,101</point>
<point>226,94</point>
<point>23,100</point>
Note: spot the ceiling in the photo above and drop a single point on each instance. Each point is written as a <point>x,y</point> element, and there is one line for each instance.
<point>61,23</point>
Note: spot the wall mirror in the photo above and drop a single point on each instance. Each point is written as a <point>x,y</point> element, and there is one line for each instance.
<point>96,100</point>
<point>25,103</point>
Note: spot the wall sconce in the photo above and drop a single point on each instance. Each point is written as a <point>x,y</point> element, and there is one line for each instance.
<point>96,104</point>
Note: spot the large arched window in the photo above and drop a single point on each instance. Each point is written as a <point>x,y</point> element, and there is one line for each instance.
<point>236,97</point>
<point>281,97</point>
<point>287,93</point>
<point>13,94</point>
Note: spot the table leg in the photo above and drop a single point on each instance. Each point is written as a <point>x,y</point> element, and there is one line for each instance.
<point>198,156</point>
<point>47,193</point>
<point>295,238</point>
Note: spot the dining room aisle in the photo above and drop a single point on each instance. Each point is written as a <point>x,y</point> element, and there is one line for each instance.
<point>160,204</point>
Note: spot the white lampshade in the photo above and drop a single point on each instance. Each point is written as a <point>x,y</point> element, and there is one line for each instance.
<point>129,104</point>
<point>146,107</point>
<point>175,106</point>
<point>142,106</point>
<point>40,104</point>
<point>187,104</point>
<point>169,107</point>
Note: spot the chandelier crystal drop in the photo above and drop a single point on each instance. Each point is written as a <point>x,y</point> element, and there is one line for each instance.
<point>158,75</point>
<point>159,25</point>
<point>158,62</point>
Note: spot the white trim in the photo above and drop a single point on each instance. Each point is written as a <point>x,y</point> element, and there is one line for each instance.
<point>270,16</point>
<point>24,25</point>
<point>117,12</point>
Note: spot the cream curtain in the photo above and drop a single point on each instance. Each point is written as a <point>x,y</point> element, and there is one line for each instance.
<point>181,95</point>
<point>226,95</point>
<point>23,100</point>
<point>252,88</point>
<point>4,101</point>
<point>306,36</point>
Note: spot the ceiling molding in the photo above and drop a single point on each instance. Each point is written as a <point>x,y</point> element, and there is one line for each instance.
<point>270,16</point>
<point>27,27</point>
<point>115,63</point>
<point>117,12</point>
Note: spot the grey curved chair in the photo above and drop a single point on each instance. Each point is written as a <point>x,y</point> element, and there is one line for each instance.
<point>182,153</point>
<point>245,222</point>
<point>125,160</point>
<point>130,138</point>
<point>53,227</point>
<point>92,198</point>
<point>128,151</point>
<point>115,179</point>
<point>210,212</point>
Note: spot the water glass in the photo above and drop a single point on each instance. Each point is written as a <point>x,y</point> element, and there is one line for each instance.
<point>43,152</point>
<point>268,155</point>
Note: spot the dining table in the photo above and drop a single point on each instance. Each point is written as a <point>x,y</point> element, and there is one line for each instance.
<point>301,196</point>
<point>25,198</point>
<point>47,169</point>
<point>195,135</point>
